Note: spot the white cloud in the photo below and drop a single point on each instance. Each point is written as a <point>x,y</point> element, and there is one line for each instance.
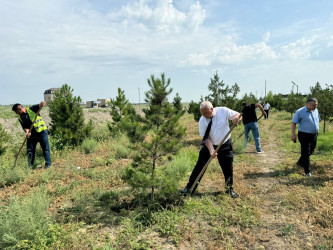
<point>301,49</point>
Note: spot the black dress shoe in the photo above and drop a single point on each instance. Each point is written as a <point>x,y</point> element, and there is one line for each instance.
<point>185,191</point>
<point>231,192</point>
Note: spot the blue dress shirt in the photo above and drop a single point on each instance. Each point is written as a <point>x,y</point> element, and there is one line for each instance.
<point>308,122</point>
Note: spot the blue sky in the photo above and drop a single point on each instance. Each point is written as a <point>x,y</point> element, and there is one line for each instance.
<point>97,46</point>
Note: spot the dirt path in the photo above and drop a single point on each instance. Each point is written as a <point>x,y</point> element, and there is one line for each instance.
<point>264,182</point>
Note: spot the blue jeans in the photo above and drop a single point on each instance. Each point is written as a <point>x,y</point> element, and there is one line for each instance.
<point>43,140</point>
<point>253,126</point>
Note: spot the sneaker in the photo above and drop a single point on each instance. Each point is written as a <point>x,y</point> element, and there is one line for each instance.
<point>231,192</point>
<point>308,174</point>
<point>47,166</point>
<point>260,152</point>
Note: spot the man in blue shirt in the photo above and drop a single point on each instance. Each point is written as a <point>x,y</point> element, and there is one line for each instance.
<point>307,119</point>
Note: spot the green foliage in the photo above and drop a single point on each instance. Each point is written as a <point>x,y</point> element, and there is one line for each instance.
<point>160,133</point>
<point>325,103</point>
<point>221,94</point>
<point>67,119</point>
<point>120,109</point>
<point>278,102</point>
<point>294,102</point>
<point>325,142</point>
<point>24,222</point>
<point>177,103</point>
<point>270,98</point>
<point>194,108</point>
<point>4,139</point>
<point>9,175</point>
<point>89,145</point>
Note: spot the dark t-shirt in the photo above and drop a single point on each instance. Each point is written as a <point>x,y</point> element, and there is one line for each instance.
<point>249,114</point>
<point>26,122</point>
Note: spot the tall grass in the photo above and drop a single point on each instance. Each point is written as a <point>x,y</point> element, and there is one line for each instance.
<point>24,222</point>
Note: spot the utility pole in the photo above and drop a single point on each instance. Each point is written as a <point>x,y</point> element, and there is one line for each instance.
<point>139,97</point>
<point>295,85</point>
<point>265,89</point>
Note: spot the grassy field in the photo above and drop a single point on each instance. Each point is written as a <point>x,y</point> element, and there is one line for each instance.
<point>81,202</point>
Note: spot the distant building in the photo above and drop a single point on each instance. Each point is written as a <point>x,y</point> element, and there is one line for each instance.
<point>89,104</point>
<point>98,103</point>
<point>49,94</point>
<point>103,102</point>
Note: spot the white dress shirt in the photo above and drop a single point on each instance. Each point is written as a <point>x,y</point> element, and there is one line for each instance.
<point>220,124</point>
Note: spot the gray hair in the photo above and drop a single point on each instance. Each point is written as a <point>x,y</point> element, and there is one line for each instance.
<point>311,99</point>
<point>206,104</point>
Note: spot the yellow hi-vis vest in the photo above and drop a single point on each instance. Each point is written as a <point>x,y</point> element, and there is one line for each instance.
<point>39,123</point>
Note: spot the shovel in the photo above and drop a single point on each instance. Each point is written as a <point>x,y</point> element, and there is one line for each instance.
<point>26,138</point>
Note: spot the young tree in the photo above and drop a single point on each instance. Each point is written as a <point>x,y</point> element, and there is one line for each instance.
<point>177,103</point>
<point>278,102</point>
<point>161,132</point>
<point>120,108</point>
<point>294,102</point>
<point>325,101</point>
<point>67,118</point>
<point>216,87</point>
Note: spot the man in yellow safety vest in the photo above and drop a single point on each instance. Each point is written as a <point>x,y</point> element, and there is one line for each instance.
<point>39,132</point>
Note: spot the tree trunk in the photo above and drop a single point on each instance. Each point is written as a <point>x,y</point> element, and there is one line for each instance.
<point>152,178</point>
<point>324,125</point>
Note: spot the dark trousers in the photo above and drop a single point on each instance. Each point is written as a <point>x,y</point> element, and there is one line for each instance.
<point>266,116</point>
<point>43,140</point>
<point>308,145</point>
<point>225,157</point>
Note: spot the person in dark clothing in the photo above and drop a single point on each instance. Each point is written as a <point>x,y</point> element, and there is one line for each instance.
<point>213,126</point>
<point>250,123</point>
<point>38,134</point>
<point>307,119</point>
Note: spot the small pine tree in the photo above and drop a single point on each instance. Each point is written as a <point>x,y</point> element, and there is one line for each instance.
<point>120,108</point>
<point>194,108</point>
<point>67,119</point>
<point>160,135</point>
<point>177,103</point>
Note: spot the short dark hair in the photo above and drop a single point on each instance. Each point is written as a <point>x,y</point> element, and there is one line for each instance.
<point>244,104</point>
<point>311,99</point>
<point>16,106</point>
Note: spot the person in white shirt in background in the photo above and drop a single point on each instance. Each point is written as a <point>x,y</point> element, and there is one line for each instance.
<point>267,107</point>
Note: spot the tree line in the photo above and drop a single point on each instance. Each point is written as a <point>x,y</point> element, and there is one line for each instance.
<point>221,94</point>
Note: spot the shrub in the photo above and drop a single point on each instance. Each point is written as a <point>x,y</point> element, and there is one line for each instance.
<point>24,221</point>
<point>89,145</point>
<point>4,138</point>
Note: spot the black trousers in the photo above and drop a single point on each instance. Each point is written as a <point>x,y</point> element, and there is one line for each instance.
<point>267,112</point>
<point>308,145</point>
<point>225,157</point>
